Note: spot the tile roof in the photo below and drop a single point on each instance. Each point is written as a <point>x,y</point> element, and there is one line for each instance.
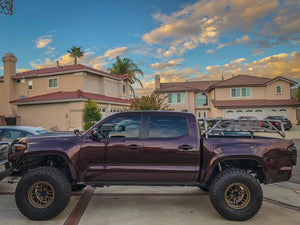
<point>245,80</point>
<point>66,69</point>
<point>239,80</point>
<point>186,86</point>
<point>70,95</point>
<point>254,103</point>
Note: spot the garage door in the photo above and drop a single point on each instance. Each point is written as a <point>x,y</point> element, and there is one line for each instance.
<point>278,112</point>
<point>235,113</point>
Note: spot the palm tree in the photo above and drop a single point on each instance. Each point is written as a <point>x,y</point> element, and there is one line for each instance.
<point>75,52</point>
<point>126,66</point>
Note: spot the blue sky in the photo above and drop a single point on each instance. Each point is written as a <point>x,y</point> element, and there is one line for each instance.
<point>180,40</point>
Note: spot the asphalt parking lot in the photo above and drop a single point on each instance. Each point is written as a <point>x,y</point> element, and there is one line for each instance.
<point>158,205</point>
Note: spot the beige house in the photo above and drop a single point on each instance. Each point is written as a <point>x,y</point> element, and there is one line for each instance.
<point>55,97</point>
<point>241,95</point>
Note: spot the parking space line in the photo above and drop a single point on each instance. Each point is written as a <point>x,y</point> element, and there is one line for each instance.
<point>284,205</point>
<point>80,207</point>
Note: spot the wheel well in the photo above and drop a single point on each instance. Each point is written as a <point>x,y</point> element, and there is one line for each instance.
<point>251,166</point>
<point>56,161</point>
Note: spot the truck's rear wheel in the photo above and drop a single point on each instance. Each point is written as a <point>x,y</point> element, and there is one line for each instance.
<point>236,195</point>
<point>43,193</point>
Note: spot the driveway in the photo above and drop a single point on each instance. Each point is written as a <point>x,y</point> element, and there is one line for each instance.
<point>152,206</point>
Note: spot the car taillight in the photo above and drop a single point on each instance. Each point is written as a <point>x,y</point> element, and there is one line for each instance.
<point>293,153</point>
<point>277,123</point>
<point>260,124</point>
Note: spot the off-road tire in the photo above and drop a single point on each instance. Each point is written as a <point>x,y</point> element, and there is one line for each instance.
<point>78,187</point>
<point>49,175</point>
<point>221,185</point>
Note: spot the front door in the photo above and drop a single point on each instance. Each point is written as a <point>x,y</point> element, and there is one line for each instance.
<point>170,150</point>
<point>116,155</point>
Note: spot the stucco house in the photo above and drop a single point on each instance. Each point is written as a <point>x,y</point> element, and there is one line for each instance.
<point>55,97</point>
<point>241,95</point>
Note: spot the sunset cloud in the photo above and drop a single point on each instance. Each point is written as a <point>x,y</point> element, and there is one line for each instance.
<point>171,63</point>
<point>113,53</point>
<point>43,41</point>
<point>206,21</point>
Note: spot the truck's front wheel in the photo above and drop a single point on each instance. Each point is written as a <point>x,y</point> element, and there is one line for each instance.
<point>236,195</point>
<point>43,193</point>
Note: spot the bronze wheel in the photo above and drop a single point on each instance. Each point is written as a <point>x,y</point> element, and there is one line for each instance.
<point>237,196</point>
<point>41,194</point>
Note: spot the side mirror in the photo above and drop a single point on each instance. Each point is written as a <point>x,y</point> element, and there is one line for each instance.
<point>94,135</point>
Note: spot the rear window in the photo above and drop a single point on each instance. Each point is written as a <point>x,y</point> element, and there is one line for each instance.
<point>167,126</point>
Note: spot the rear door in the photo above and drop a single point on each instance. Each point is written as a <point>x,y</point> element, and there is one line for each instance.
<point>170,149</point>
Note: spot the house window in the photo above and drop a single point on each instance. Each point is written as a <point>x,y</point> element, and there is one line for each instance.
<point>201,99</point>
<point>53,83</point>
<point>20,81</point>
<point>176,98</point>
<point>240,92</point>
<point>278,89</point>
<point>124,88</point>
<point>30,86</point>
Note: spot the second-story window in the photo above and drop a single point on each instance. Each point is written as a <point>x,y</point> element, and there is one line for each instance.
<point>124,88</point>
<point>201,99</point>
<point>53,83</point>
<point>240,92</point>
<point>278,89</point>
<point>175,98</point>
<point>30,84</point>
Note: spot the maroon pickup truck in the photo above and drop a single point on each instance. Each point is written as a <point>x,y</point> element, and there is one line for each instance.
<point>149,148</point>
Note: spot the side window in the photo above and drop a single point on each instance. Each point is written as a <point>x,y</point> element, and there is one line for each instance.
<point>121,127</point>
<point>167,126</point>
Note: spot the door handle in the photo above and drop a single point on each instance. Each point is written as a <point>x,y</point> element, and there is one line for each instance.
<point>185,147</point>
<point>134,147</point>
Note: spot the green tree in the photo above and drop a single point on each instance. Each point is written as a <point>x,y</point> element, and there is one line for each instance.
<point>75,53</point>
<point>150,102</point>
<point>126,66</point>
<point>91,114</point>
<point>298,93</point>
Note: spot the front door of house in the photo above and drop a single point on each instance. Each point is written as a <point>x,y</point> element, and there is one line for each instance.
<point>201,114</point>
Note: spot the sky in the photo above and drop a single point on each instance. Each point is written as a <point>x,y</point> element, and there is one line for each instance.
<point>178,39</point>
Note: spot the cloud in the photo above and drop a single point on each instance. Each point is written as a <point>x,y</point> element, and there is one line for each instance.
<point>20,70</point>
<point>282,64</point>
<point>210,51</point>
<point>171,63</point>
<point>272,22</point>
<point>89,59</point>
<point>43,41</point>
<point>113,53</point>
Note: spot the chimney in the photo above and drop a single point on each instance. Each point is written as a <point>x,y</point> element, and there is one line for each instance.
<point>57,64</point>
<point>157,81</point>
<point>9,63</point>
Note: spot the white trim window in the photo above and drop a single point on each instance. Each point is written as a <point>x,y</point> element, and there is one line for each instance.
<point>278,89</point>
<point>53,82</point>
<point>176,98</point>
<point>124,88</point>
<point>240,92</point>
<point>30,84</point>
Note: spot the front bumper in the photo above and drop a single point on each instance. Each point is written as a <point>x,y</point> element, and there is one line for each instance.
<point>5,169</point>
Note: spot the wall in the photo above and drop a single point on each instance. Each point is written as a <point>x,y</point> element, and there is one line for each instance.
<point>225,93</point>
<point>285,89</point>
<point>64,116</point>
<point>69,82</point>
<point>93,84</point>
<point>111,87</point>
